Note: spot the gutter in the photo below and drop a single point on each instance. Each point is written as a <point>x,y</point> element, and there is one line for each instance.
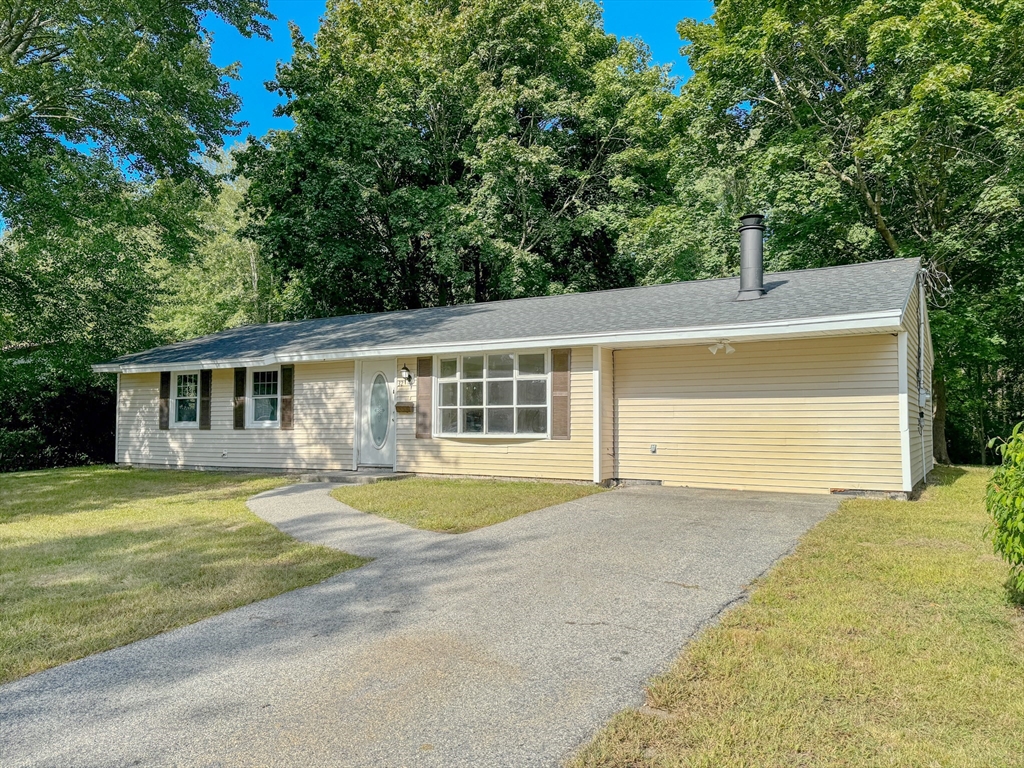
<point>862,323</point>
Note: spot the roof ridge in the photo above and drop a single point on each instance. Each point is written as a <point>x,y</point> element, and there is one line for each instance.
<point>801,293</point>
<point>604,291</point>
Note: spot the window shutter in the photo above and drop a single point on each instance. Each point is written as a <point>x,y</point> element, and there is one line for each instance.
<point>205,385</point>
<point>239,398</point>
<point>560,363</point>
<point>424,396</point>
<point>165,399</point>
<point>287,391</point>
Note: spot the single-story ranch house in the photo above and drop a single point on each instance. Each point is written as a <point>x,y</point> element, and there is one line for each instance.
<point>813,380</point>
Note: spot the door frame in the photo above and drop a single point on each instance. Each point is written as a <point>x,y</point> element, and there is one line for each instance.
<point>357,436</point>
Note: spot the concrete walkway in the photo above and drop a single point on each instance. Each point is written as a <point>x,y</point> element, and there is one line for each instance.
<point>507,646</point>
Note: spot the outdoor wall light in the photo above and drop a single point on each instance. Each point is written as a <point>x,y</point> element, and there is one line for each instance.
<point>723,344</point>
<point>406,375</point>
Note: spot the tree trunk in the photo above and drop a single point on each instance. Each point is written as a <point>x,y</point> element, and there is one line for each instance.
<point>939,420</point>
<point>979,396</point>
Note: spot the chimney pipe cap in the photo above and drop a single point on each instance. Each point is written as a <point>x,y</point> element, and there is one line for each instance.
<point>752,220</point>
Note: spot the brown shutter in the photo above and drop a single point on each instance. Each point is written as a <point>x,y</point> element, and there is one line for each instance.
<point>239,398</point>
<point>424,396</point>
<point>560,363</point>
<point>287,391</point>
<point>165,399</point>
<point>205,385</point>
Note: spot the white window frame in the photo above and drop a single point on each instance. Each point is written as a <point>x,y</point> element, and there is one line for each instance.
<point>500,436</point>
<point>250,400</point>
<point>174,400</point>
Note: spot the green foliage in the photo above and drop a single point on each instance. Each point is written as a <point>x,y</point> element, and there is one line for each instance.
<point>95,97</point>
<point>105,112</point>
<point>457,151</point>
<point>228,283</point>
<point>867,130</point>
<point>1005,502</point>
<point>864,130</point>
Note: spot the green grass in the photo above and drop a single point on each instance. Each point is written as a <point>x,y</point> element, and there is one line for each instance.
<point>95,557</point>
<point>457,506</point>
<point>886,639</point>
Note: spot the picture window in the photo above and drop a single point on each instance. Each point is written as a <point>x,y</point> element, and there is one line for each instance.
<point>493,394</point>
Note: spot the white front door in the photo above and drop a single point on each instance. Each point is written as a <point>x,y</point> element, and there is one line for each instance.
<point>376,415</point>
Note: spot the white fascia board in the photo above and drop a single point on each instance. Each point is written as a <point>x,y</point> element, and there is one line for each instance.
<point>868,322</point>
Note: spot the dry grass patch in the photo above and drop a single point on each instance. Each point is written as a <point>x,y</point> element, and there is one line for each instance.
<point>95,557</point>
<point>885,640</point>
<point>457,506</point>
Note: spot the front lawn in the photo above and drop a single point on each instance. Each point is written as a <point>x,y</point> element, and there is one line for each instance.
<point>457,506</point>
<point>95,557</point>
<point>886,639</point>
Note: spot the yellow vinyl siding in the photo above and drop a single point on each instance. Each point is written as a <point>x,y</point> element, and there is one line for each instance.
<point>802,415</point>
<point>607,414</point>
<point>571,459</point>
<point>321,439</point>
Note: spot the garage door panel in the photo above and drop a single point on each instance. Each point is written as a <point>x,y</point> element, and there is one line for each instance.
<point>810,415</point>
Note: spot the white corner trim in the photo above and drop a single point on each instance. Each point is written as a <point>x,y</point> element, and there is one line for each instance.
<point>904,406</point>
<point>861,323</point>
<point>117,422</point>
<point>596,397</point>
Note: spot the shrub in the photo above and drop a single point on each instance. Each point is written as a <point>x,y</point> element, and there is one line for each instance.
<point>1005,502</point>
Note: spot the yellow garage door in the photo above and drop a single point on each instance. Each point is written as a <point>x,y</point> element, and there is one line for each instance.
<point>804,415</point>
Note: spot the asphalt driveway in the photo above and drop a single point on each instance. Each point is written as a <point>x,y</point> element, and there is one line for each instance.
<point>507,646</point>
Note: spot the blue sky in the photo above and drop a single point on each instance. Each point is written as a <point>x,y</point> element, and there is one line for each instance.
<point>654,21</point>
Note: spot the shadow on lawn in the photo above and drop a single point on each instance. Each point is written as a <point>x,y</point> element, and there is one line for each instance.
<point>162,576</point>
<point>945,475</point>
<point>24,495</point>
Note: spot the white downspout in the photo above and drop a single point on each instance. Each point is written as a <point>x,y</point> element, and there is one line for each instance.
<point>921,402</point>
<point>597,395</point>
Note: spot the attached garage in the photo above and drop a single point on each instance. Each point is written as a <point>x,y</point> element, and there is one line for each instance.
<point>807,414</point>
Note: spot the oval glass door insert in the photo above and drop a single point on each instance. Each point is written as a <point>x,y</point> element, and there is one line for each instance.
<point>379,410</point>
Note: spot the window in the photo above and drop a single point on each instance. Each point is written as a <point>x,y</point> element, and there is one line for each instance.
<point>186,400</point>
<point>264,397</point>
<point>494,394</point>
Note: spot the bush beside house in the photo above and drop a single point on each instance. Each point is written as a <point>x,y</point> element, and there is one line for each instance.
<point>1005,502</point>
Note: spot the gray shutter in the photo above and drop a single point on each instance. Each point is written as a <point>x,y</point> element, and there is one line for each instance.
<point>239,398</point>
<point>287,391</point>
<point>165,399</point>
<point>205,385</point>
<point>424,396</point>
<point>561,361</point>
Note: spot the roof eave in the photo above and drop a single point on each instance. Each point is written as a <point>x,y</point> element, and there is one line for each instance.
<point>861,323</point>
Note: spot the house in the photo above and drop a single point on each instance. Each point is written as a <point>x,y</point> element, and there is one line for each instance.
<point>813,380</point>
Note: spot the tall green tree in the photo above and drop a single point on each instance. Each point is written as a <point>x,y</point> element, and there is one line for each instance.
<point>457,150</point>
<point>95,96</point>
<point>106,111</point>
<point>228,282</point>
<point>865,130</point>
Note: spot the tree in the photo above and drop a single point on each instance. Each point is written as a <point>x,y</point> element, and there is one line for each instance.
<point>457,150</point>
<point>227,284</point>
<point>97,96</point>
<point>105,113</point>
<point>866,130</point>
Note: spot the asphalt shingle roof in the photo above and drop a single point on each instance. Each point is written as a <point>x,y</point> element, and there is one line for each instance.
<point>880,286</point>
